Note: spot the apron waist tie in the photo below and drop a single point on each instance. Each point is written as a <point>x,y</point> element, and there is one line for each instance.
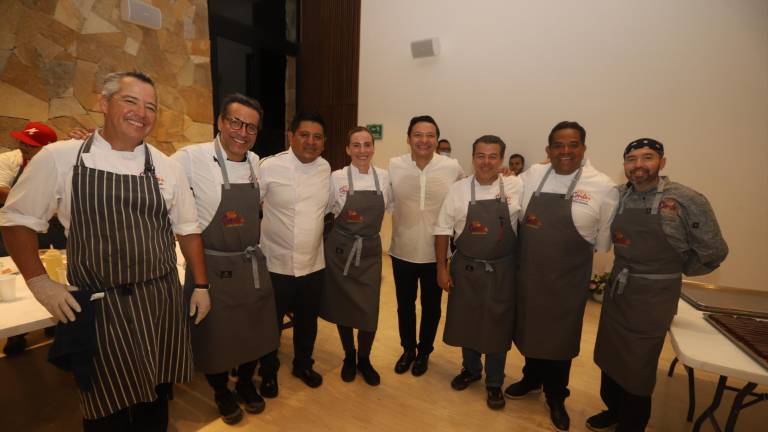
<point>251,253</point>
<point>357,249</point>
<point>487,263</point>
<point>621,279</point>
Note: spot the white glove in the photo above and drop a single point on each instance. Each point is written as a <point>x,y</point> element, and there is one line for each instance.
<point>55,297</point>
<point>199,304</point>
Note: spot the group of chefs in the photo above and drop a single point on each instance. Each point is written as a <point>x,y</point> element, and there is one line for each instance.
<point>251,233</point>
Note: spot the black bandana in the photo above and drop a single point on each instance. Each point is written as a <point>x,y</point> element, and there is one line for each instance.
<point>645,142</point>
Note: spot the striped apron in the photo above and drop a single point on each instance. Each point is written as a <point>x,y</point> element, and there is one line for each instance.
<point>121,243</point>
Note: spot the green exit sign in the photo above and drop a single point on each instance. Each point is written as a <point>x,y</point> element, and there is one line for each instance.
<point>377,130</point>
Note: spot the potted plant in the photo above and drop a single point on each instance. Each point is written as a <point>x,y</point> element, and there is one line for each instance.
<point>598,285</point>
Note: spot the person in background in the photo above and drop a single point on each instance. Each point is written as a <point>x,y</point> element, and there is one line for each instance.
<point>359,195</point>
<point>444,147</point>
<point>517,163</point>
<point>661,231</point>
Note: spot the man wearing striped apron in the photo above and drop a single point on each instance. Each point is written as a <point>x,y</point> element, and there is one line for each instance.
<point>121,202</point>
<point>661,230</point>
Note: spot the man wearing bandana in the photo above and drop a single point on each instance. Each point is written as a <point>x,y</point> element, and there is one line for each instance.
<point>661,231</point>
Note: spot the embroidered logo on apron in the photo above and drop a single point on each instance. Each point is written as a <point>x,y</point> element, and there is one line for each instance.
<point>532,220</point>
<point>477,228</point>
<point>354,216</point>
<point>619,239</point>
<point>232,219</point>
<point>668,205</point>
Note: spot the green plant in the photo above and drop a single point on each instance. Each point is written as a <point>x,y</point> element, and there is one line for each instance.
<point>599,282</point>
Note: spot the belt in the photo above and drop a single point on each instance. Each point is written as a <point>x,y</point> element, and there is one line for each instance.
<point>357,249</point>
<point>251,253</point>
<point>621,279</point>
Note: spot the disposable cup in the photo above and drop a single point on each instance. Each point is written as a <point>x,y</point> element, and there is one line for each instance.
<point>8,287</point>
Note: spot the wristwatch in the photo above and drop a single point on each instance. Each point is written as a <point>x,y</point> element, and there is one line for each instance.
<point>202,286</point>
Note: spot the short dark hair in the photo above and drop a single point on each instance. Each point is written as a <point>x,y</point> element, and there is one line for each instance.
<point>244,100</point>
<point>357,129</point>
<point>423,119</point>
<point>306,116</point>
<point>489,139</point>
<point>517,155</point>
<point>443,141</point>
<point>568,125</point>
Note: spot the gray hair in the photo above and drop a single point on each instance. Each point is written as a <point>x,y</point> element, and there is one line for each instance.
<point>112,82</point>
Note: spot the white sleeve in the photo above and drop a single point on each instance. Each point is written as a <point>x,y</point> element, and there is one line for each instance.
<point>33,201</point>
<point>183,212</point>
<point>8,169</point>
<point>184,159</point>
<point>608,206</point>
<point>333,204</point>
<point>446,218</point>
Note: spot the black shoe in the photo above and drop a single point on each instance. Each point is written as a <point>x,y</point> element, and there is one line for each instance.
<point>247,393</point>
<point>495,400</point>
<point>369,374</point>
<point>228,408</point>
<point>420,365</point>
<point>15,345</point>
<point>520,389</point>
<point>558,415</point>
<point>404,362</point>
<point>463,380</point>
<point>309,376</point>
<point>603,422</point>
<point>348,370</point>
<point>268,387</point>
<point>50,331</point>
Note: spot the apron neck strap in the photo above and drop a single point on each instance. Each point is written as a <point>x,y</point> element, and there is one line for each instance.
<point>571,187</point>
<point>656,200</point>
<point>352,186</point>
<point>149,168</point>
<point>220,159</point>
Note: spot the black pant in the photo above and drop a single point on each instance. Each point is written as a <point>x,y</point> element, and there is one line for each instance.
<point>218,381</point>
<point>364,341</point>
<point>632,411</point>
<point>408,277</point>
<point>302,296</point>
<point>552,374</point>
<point>142,417</point>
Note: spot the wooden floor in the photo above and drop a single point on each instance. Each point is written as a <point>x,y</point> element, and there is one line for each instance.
<point>36,397</point>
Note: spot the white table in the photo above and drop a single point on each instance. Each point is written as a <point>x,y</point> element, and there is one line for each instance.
<point>699,345</point>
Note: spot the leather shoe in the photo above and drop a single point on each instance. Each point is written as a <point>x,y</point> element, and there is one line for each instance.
<point>404,362</point>
<point>268,387</point>
<point>520,389</point>
<point>420,365</point>
<point>348,369</point>
<point>229,410</point>
<point>495,400</point>
<point>246,392</point>
<point>558,415</point>
<point>463,380</point>
<point>369,374</point>
<point>602,422</point>
<point>309,376</point>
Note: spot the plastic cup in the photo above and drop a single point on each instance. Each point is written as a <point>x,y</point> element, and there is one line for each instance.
<point>8,287</point>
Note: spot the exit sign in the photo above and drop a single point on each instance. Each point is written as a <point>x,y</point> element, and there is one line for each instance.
<point>377,130</point>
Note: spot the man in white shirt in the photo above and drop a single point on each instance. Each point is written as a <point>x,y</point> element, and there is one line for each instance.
<point>568,207</point>
<point>294,189</point>
<point>121,202</point>
<point>420,180</point>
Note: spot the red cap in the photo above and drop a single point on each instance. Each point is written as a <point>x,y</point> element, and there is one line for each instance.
<point>36,134</point>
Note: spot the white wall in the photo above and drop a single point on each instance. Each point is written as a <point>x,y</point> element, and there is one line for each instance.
<point>691,73</point>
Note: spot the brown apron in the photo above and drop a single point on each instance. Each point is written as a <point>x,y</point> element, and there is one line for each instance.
<point>242,323</point>
<point>353,260</point>
<point>642,299</point>
<point>121,242</point>
<point>481,303</point>
<point>553,277</point>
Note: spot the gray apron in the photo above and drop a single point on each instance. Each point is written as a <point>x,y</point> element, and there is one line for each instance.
<point>553,277</point>
<point>642,299</point>
<point>353,260</point>
<point>481,303</point>
<point>242,323</point>
<point>121,243</point>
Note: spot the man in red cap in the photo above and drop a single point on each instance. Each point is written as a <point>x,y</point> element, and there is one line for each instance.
<point>30,140</point>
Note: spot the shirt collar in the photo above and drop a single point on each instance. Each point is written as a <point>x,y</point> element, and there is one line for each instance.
<point>102,144</point>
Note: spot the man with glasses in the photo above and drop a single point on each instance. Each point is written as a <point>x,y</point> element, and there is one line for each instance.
<point>241,326</point>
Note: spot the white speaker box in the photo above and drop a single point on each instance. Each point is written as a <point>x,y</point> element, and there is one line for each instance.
<point>425,48</point>
<point>140,13</point>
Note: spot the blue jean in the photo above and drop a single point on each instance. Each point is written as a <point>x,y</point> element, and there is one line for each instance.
<point>494,366</point>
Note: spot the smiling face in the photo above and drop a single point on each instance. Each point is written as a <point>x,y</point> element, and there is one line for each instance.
<point>360,149</point>
<point>130,113</point>
<point>566,151</point>
<point>516,165</point>
<point>308,142</point>
<point>423,140</point>
<point>237,142</point>
<point>642,166</point>
<point>487,160</point>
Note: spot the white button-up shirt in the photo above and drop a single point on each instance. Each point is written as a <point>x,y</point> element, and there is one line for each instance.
<point>45,187</point>
<point>453,213</point>
<point>593,205</point>
<point>10,162</point>
<point>362,182</point>
<point>204,176</point>
<point>418,195</point>
<point>295,197</point>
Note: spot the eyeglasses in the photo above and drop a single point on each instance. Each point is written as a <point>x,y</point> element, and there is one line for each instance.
<point>237,124</point>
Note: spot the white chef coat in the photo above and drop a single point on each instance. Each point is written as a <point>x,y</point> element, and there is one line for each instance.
<point>340,186</point>
<point>294,197</point>
<point>204,176</point>
<point>45,187</point>
<point>453,213</point>
<point>418,195</point>
<point>10,162</point>
<point>594,200</point>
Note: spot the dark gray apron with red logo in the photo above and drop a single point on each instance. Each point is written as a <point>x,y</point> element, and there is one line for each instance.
<point>353,260</point>
<point>481,303</point>
<point>553,277</point>
<point>642,299</point>
<point>242,323</point>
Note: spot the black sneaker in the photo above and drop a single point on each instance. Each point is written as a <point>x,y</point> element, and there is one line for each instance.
<point>369,374</point>
<point>404,362</point>
<point>15,345</point>
<point>558,415</point>
<point>520,389</point>
<point>268,387</point>
<point>463,380</point>
<point>247,393</point>
<point>495,400</point>
<point>603,422</point>
<point>420,365</point>
<point>309,376</point>
<point>228,408</point>
<point>348,370</point>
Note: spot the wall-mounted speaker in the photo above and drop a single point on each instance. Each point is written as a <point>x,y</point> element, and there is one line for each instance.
<point>140,13</point>
<point>425,48</point>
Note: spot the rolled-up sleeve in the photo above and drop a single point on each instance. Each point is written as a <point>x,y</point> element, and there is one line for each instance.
<point>183,212</point>
<point>446,219</point>
<point>603,242</point>
<point>33,200</point>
